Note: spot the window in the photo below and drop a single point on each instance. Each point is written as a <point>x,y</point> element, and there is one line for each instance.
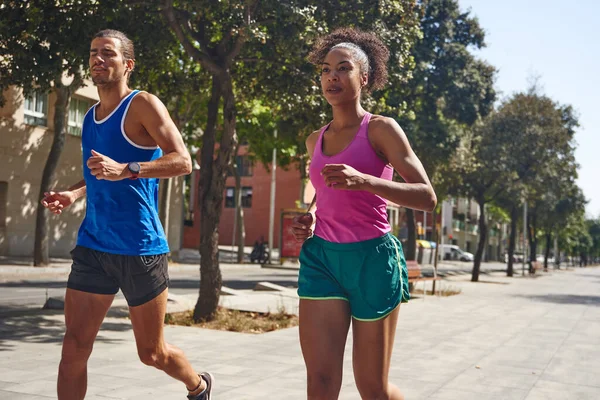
<point>246,197</point>
<point>230,197</point>
<point>36,109</point>
<point>244,166</point>
<point>77,110</point>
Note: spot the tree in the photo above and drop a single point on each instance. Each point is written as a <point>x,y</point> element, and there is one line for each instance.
<point>450,90</point>
<point>247,45</point>
<point>507,151</point>
<point>44,46</point>
<point>482,176</point>
<point>511,200</point>
<point>594,231</point>
<point>563,205</point>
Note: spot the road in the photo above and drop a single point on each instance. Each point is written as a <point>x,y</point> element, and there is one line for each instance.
<point>24,290</point>
<point>23,286</point>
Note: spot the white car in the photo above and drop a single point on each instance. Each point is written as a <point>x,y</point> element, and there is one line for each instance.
<point>453,252</point>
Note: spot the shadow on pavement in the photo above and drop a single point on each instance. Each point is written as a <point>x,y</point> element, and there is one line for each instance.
<point>234,284</point>
<point>42,326</point>
<point>567,299</point>
<point>35,284</point>
<point>28,261</point>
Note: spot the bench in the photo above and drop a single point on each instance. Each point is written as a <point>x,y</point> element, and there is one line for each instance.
<point>535,265</point>
<point>415,275</point>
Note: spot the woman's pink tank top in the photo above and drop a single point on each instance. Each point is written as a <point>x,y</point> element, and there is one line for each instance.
<point>346,216</point>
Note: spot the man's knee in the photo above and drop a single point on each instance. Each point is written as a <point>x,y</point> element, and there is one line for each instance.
<point>373,390</point>
<point>323,385</point>
<point>153,356</point>
<point>76,348</point>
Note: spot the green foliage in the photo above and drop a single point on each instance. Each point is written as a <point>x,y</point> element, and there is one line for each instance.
<point>450,89</point>
<point>41,40</point>
<point>593,226</point>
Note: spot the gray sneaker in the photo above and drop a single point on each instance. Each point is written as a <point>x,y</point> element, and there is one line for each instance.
<point>207,394</point>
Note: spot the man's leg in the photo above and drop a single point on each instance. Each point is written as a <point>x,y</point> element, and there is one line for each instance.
<point>84,313</point>
<point>148,320</point>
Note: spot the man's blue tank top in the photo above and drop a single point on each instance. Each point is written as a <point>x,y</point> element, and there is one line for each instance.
<point>122,216</point>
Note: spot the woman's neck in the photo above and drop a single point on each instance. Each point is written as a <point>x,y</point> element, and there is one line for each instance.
<point>347,115</point>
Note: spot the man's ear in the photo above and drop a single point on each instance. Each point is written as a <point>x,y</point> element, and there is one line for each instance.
<point>130,65</point>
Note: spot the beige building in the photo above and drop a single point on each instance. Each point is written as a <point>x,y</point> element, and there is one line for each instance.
<point>461,228</point>
<point>26,132</point>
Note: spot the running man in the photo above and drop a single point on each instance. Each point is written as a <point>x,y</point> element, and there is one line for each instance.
<point>128,142</point>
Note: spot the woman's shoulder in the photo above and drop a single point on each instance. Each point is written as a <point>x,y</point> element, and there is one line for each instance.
<point>382,122</point>
<point>380,125</point>
<point>312,139</point>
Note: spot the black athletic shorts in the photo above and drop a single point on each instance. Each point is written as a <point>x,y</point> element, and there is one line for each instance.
<point>140,278</point>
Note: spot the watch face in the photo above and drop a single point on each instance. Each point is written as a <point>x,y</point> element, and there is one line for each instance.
<point>134,167</point>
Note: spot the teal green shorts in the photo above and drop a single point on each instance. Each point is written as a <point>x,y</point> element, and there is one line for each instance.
<point>370,275</point>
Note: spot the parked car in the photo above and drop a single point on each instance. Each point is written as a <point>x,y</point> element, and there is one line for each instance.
<point>453,252</point>
<point>517,257</point>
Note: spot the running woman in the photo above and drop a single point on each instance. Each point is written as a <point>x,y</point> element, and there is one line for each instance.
<point>352,270</point>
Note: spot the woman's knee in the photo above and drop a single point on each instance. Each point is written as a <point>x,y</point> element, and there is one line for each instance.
<point>323,385</point>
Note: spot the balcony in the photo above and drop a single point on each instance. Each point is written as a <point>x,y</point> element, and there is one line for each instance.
<point>458,225</point>
<point>472,229</point>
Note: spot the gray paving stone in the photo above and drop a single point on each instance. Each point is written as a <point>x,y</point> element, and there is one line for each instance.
<point>547,390</point>
<point>529,339</point>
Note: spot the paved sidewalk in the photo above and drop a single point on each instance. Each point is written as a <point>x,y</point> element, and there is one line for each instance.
<point>519,338</point>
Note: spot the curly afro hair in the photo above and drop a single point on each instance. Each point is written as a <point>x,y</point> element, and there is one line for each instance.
<point>377,53</point>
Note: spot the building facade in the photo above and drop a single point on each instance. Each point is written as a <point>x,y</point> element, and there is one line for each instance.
<point>26,133</point>
<point>256,194</point>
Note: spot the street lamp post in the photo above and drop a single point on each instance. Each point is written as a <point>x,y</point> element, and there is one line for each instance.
<point>272,205</point>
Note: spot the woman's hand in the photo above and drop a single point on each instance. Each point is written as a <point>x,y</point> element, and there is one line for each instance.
<point>301,227</point>
<point>342,176</point>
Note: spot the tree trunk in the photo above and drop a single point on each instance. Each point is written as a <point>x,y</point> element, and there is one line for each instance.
<point>411,250</point>
<point>486,256</point>
<point>210,274</point>
<point>63,97</point>
<point>531,235</point>
<point>514,218</point>
<point>547,252</point>
<point>213,174</point>
<point>436,239</point>
<point>482,240</point>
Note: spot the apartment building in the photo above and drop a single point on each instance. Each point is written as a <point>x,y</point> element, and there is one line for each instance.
<point>26,133</point>
<point>256,194</point>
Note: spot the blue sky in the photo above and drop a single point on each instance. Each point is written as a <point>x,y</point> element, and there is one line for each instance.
<point>556,40</point>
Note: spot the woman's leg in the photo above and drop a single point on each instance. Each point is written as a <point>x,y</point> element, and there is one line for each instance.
<point>324,328</point>
<point>373,342</point>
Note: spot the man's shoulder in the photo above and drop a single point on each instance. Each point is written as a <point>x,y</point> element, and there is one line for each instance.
<point>145,105</point>
<point>145,99</point>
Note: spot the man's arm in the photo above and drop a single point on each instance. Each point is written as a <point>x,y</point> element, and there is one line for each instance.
<point>57,201</point>
<point>79,189</point>
<point>156,120</point>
